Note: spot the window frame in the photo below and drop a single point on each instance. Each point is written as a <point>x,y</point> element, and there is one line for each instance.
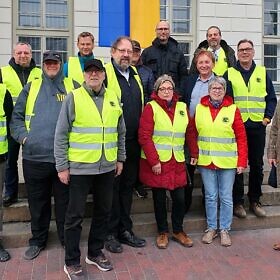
<point>41,31</point>
<point>272,40</point>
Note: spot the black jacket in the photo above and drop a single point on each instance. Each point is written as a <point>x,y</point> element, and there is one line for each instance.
<point>166,59</point>
<point>230,54</point>
<point>131,102</point>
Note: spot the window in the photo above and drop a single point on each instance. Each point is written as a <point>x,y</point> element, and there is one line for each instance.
<point>44,24</point>
<point>271,34</point>
<point>179,14</point>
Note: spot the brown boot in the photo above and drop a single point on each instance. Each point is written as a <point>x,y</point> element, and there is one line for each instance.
<point>257,209</point>
<point>183,239</point>
<point>239,211</point>
<point>162,240</point>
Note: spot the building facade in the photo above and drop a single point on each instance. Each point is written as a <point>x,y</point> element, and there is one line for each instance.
<point>55,24</point>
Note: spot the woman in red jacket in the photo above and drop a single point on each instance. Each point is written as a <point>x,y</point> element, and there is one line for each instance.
<point>164,126</point>
<point>222,146</point>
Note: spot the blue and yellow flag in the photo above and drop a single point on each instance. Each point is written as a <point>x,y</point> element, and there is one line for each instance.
<point>134,18</point>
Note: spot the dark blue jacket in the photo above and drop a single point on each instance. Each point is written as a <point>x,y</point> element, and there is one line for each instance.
<point>147,79</point>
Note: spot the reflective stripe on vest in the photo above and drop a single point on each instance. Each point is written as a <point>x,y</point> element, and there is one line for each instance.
<point>169,138</point>
<point>249,99</point>
<point>3,124</point>
<point>32,96</point>
<point>112,81</point>
<point>12,81</point>
<point>75,70</point>
<point>221,65</point>
<point>90,136</point>
<point>216,139</point>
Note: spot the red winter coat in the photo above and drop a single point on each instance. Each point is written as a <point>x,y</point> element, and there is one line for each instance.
<point>173,173</point>
<point>237,126</point>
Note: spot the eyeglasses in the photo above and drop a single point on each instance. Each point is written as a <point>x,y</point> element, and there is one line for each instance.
<point>166,89</point>
<point>162,29</point>
<point>245,50</point>
<point>217,89</point>
<point>123,51</point>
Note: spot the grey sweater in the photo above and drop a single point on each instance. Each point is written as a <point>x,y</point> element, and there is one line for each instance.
<point>61,143</point>
<point>40,139</point>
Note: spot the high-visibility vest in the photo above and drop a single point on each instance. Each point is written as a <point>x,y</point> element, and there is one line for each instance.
<point>3,124</point>
<point>249,99</point>
<point>169,138</point>
<point>221,65</point>
<point>112,81</point>
<point>216,139</point>
<point>91,132</point>
<point>32,96</point>
<point>75,70</point>
<point>12,81</point>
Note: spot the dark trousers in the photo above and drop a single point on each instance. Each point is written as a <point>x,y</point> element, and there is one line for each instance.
<point>41,181</point>
<point>11,177</point>
<point>256,144</point>
<point>178,209</point>
<point>101,186</point>
<point>120,220</point>
<point>190,186</point>
<point>2,177</point>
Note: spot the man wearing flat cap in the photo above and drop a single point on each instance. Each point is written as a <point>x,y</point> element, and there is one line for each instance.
<point>33,125</point>
<point>89,150</point>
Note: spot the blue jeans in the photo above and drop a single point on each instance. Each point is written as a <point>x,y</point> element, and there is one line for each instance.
<point>218,183</point>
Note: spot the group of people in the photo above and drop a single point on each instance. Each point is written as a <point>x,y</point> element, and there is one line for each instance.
<point>141,119</point>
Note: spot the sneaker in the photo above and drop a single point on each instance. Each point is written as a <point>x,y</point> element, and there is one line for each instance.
<point>239,211</point>
<point>100,261</point>
<point>4,255</point>
<point>183,239</point>
<point>32,252</point>
<point>140,191</point>
<point>74,272</point>
<point>257,209</point>
<point>225,238</point>
<point>209,236</point>
<point>112,244</point>
<point>162,240</point>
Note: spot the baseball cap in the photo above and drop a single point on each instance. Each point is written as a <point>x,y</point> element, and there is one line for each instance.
<point>136,45</point>
<point>93,63</point>
<point>52,55</point>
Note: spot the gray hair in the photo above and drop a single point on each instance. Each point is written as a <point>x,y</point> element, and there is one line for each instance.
<point>219,80</point>
<point>163,78</point>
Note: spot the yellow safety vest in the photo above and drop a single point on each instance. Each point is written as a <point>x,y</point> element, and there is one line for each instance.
<point>92,133</point>
<point>75,70</point>
<point>221,65</point>
<point>169,138</point>
<point>3,124</point>
<point>250,100</point>
<point>12,81</point>
<point>112,81</point>
<point>32,96</point>
<point>216,139</point>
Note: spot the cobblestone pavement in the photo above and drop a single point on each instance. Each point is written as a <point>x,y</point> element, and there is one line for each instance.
<point>250,257</point>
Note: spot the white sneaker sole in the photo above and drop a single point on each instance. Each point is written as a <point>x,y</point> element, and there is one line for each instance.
<point>88,261</point>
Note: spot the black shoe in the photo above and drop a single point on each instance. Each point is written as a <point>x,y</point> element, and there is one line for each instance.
<point>113,245</point>
<point>32,252</point>
<point>8,200</point>
<point>74,272</point>
<point>132,240</point>
<point>100,261</point>
<point>140,191</point>
<point>4,255</point>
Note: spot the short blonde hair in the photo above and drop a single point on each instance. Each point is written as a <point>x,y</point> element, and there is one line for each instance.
<point>163,78</point>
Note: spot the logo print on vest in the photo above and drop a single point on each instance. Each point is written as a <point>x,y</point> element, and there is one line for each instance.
<point>182,113</point>
<point>259,80</point>
<point>225,119</point>
<point>112,103</point>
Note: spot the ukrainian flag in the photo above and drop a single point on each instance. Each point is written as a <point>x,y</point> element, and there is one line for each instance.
<point>134,18</point>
